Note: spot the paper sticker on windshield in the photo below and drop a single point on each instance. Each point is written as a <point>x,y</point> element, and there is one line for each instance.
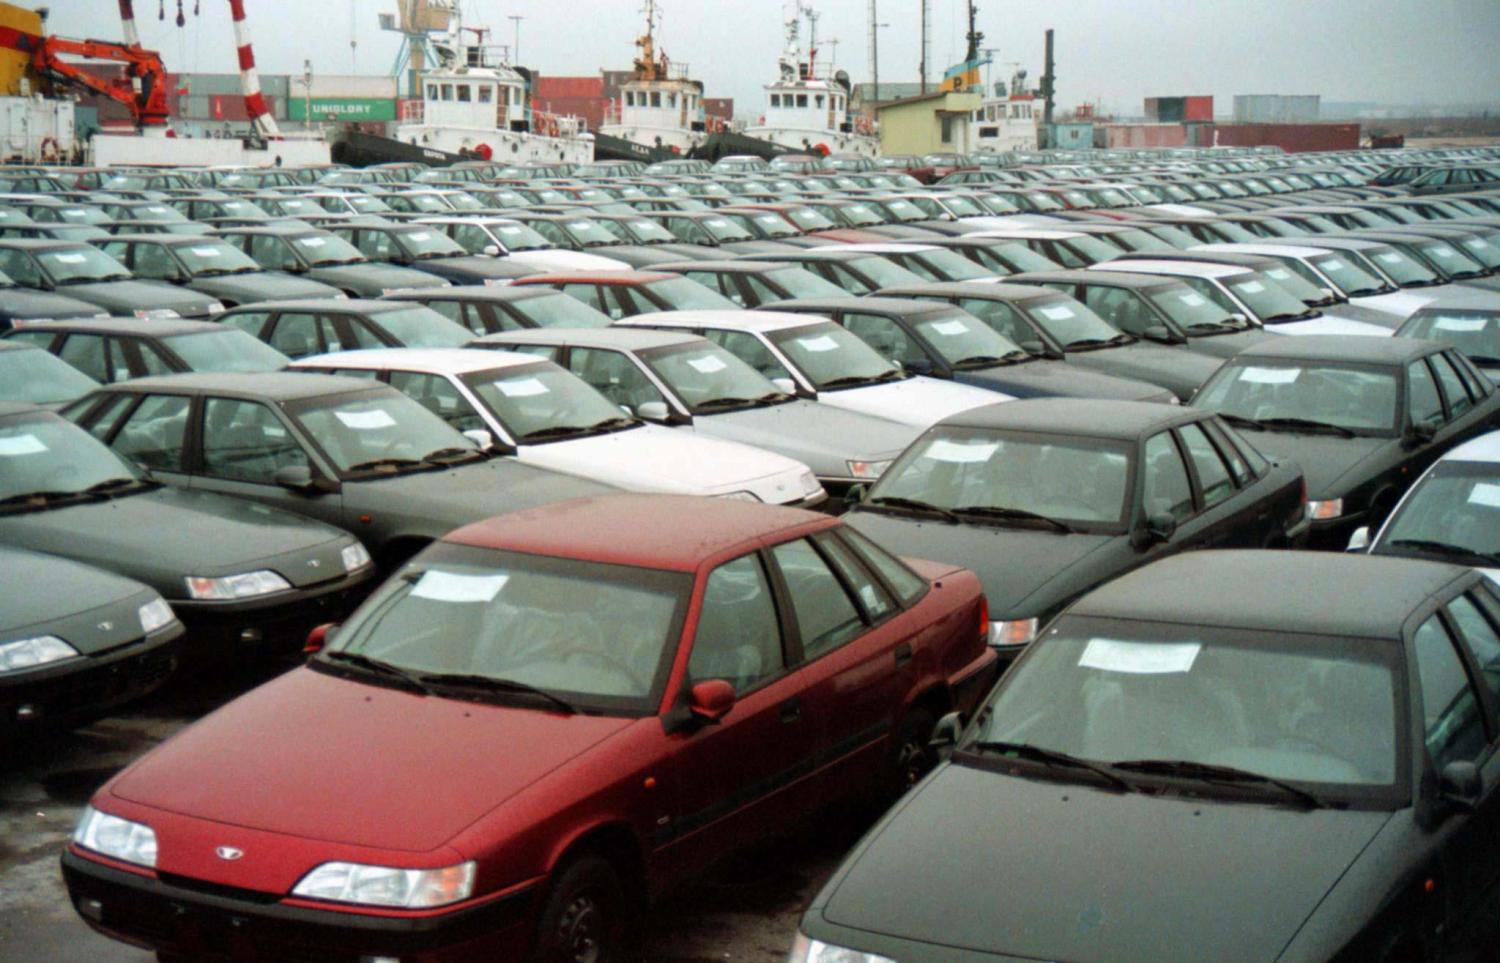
<point>311,241</point>
<point>1460,324</point>
<point>508,231</point>
<point>1486,494</point>
<point>1270,376</point>
<point>1441,250</point>
<point>70,258</point>
<point>1250,287</point>
<point>1331,265</point>
<point>820,343</point>
<point>707,365</point>
<point>960,452</point>
<point>1139,658</point>
<point>452,587</point>
<point>950,328</point>
<point>21,445</point>
<point>1059,312</point>
<point>420,236</point>
<point>521,387</point>
<point>1388,257</point>
<point>1192,299</point>
<point>365,420</point>
<point>207,252</point>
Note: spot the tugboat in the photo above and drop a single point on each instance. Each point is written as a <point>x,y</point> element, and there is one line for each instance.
<point>807,108</point>
<point>475,105</point>
<point>1005,122</point>
<point>660,107</point>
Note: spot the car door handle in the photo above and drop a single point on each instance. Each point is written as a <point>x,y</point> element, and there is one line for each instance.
<point>791,710</point>
<point>903,655</point>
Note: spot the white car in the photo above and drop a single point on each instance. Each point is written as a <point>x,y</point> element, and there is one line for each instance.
<point>1451,513</point>
<point>510,239</point>
<point>816,359</point>
<point>1242,290</point>
<point>546,416</point>
<point>1343,276</point>
<point>932,263</point>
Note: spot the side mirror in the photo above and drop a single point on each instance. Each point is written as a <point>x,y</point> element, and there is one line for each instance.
<point>921,366</point>
<point>656,411</point>
<point>493,250</point>
<point>318,638</point>
<point>945,735</point>
<point>1239,318</point>
<point>1420,435</point>
<point>481,437</point>
<point>785,384</point>
<point>299,478</point>
<point>711,700</point>
<point>1460,785</point>
<point>1160,527</point>
<point>1158,332</point>
<point>856,493</point>
<point>1359,541</point>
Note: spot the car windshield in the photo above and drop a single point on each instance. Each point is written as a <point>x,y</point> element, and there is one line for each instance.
<point>318,249</point>
<point>427,244</point>
<point>1012,257</point>
<point>537,630</point>
<point>859,215</point>
<point>544,400</point>
<point>1068,322</point>
<point>518,237</point>
<point>1475,333</point>
<point>700,373</point>
<point>1362,400</point>
<point>802,283</point>
<point>225,351</point>
<point>1290,276</point>
<point>680,294</point>
<point>1453,513</point>
<point>722,229</point>
<point>885,273</point>
<point>808,219</point>
<point>419,326</point>
<point>155,212</point>
<point>940,264</point>
<point>1400,266</point>
<point>1268,301</point>
<point>558,310</point>
<point>646,231</point>
<point>1190,310</point>
<point>1082,481</point>
<point>366,203</point>
<point>904,210</point>
<point>771,225</point>
<point>210,258</point>
<point>39,377</point>
<point>588,233</point>
<point>1353,280</point>
<point>44,453</point>
<point>1090,248</point>
<point>80,265</point>
<point>379,431</point>
<point>831,357</point>
<point>1481,249</point>
<point>1135,240</point>
<point>1288,706</point>
<point>960,337</point>
<point>1450,259</point>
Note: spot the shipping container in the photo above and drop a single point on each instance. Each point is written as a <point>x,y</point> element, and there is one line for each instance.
<point>1144,135</point>
<point>577,87</point>
<point>335,87</point>
<point>1292,138</point>
<point>1276,108</point>
<point>1198,108</point>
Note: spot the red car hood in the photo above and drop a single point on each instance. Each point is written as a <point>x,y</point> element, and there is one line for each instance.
<point>319,757</point>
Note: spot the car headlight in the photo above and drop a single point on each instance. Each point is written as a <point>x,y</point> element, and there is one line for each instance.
<point>231,587</point>
<point>1008,634</point>
<point>1174,400</point>
<point>155,314</point>
<point>810,484</point>
<point>387,886</point>
<point>740,497</point>
<point>155,615</point>
<point>29,653</point>
<point>216,307</point>
<point>115,837</point>
<point>355,557</point>
<point>806,950</point>
<point>868,469</point>
<point>1325,509</point>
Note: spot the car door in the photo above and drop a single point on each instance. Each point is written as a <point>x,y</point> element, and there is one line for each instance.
<point>888,337</point>
<point>1463,421</point>
<point>90,353</point>
<point>301,334</point>
<point>729,780</point>
<point>150,430</point>
<point>1226,515</point>
<point>242,444</point>
<point>615,375</point>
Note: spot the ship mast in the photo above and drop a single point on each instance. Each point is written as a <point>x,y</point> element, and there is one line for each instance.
<point>647,65</point>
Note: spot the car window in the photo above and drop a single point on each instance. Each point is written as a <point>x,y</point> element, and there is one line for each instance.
<point>1452,385</point>
<point>1000,316</point>
<point>20,268</point>
<point>154,435</point>
<point>250,322</point>
<point>1121,308</point>
<point>826,616</point>
<point>471,237</point>
<point>377,245</point>
<point>1478,630</point>
<point>760,291</point>
<point>908,585</point>
<point>153,261</point>
<point>244,441</point>
<point>86,352</point>
<point>1471,379</point>
<point>102,423</point>
<point>1422,399</point>
<point>1214,293</point>
<point>299,335</point>
<point>738,638</point>
<point>1167,489</point>
<point>873,597</point>
<point>439,396</point>
<point>1239,467</point>
<point>614,375</point>
<point>886,337</point>
<point>588,294</point>
<point>1213,476</point>
<point>722,283</point>
<point>272,252</point>
<point>357,334</point>
<point>751,350</point>
<point>152,361</point>
<point>1451,718</point>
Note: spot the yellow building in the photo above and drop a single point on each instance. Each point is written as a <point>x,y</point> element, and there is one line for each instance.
<point>927,124</point>
<point>19,28</point>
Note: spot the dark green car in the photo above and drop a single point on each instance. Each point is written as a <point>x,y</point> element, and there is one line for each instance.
<point>29,374</point>
<point>324,257</point>
<point>76,641</point>
<point>237,573</point>
<point>347,451</point>
<point>211,265</point>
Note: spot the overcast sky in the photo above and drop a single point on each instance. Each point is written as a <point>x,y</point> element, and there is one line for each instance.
<point>1114,51</point>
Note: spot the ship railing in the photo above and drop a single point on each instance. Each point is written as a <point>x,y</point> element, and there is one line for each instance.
<point>557,125</point>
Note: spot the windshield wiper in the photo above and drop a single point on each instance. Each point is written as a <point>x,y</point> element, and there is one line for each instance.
<point>1017,514</point>
<point>112,486</point>
<point>1280,318</point>
<point>42,497</point>
<point>452,456</point>
<point>1050,757</point>
<point>1212,326</point>
<point>1446,548</point>
<point>475,681</point>
<point>376,665</point>
<point>915,504</point>
<point>557,431</point>
<point>850,381</point>
<point>724,403</point>
<point>1088,343</point>
<point>1206,772</point>
<point>619,421</point>
<point>1306,423</point>
<point>378,463</point>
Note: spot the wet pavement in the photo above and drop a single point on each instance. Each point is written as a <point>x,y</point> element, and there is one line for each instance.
<point>746,910</point>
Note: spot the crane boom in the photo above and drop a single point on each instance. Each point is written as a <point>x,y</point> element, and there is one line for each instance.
<point>148,106</point>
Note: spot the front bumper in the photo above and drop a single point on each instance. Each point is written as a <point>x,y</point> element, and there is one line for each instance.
<point>273,622</point>
<point>190,920</point>
<point>78,691</point>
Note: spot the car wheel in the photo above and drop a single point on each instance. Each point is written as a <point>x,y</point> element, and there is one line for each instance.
<point>583,919</point>
<point>911,753</point>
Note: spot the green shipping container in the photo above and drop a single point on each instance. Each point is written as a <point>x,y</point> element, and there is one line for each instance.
<point>342,109</point>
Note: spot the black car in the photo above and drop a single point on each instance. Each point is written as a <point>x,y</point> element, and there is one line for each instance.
<point>325,257</point>
<point>945,341</point>
<point>1047,498</point>
<point>751,284</point>
<point>299,329</point>
<point>853,272</point>
<point>1051,324</point>
<point>76,641</point>
<point>424,247</point>
<point>1224,755</point>
<point>346,451</point>
<point>23,305</point>
<point>83,272</point>
<point>118,349</point>
<point>29,374</point>
<point>1363,416</point>
<point>238,574</point>
<point>1163,310</point>
<point>211,265</point>
<point>490,310</point>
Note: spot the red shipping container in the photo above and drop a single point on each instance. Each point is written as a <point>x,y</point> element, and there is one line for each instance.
<point>569,87</point>
<point>1145,135</point>
<point>1292,138</point>
<point>1198,108</point>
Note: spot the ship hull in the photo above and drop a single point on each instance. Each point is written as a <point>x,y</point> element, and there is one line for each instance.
<point>507,146</point>
<point>803,139</point>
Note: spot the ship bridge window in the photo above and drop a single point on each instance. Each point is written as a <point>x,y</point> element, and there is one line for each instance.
<point>819,100</point>
<point>464,94</point>
<point>671,100</point>
<point>629,98</point>
<point>655,98</point>
<point>432,92</point>
<point>775,100</point>
<point>801,100</point>
<point>447,91</point>
<point>486,93</point>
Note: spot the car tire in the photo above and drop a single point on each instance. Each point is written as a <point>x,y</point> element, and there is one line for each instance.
<point>912,756</point>
<point>583,919</point>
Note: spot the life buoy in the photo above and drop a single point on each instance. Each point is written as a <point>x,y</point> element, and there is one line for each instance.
<point>549,126</point>
<point>484,152</point>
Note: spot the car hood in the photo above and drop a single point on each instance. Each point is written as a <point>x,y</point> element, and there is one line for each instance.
<point>312,774</point>
<point>820,436</point>
<point>759,247</point>
<point>264,286</point>
<point>1326,460</point>
<point>656,459</point>
<point>475,268</point>
<point>370,279</point>
<point>1014,591</point>
<point>124,298</point>
<point>161,536</point>
<point>1329,325</point>
<point>918,401</point>
<point>558,260</point>
<point>19,304</point>
<point>1227,345</point>
<point>437,502</point>
<point>89,608</point>
<point>1077,873</point>
<point>640,255</point>
<point>1366,314</point>
<point>1048,378</point>
<point>1401,303</point>
<point>1174,368</point>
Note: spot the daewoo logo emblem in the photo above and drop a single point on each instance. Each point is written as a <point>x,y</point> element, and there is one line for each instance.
<point>229,853</point>
<point>106,626</point>
<point>313,563</point>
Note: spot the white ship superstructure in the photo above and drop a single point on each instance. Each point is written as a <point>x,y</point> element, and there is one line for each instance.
<point>807,107</point>
<point>660,106</point>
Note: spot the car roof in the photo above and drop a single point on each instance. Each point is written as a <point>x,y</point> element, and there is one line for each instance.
<point>324,305</point>
<point>730,320</point>
<point>596,277</point>
<point>728,266</point>
<point>133,326</point>
<point>270,385</point>
<point>1006,290</point>
<point>1276,591</point>
<point>1024,233</point>
<point>673,532</point>
<point>8,408</point>
<point>1123,279</point>
<point>444,361</point>
<point>1126,420</point>
<point>474,292</point>
<point>160,237</point>
<point>1268,249</point>
<point>39,243</point>
<point>875,305</point>
<point>1485,448</point>
<point>891,247</point>
<point>1342,347</point>
<point>1197,269</point>
<point>620,339</point>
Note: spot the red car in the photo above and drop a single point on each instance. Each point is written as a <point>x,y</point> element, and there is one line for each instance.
<point>532,730</point>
